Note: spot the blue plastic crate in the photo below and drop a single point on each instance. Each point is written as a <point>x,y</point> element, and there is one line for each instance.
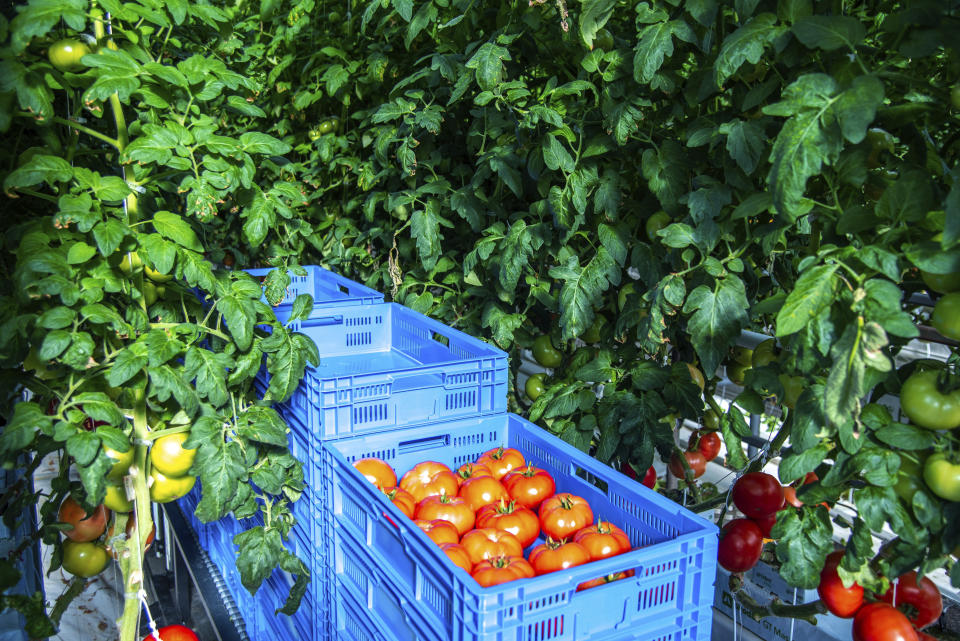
<point>377,550</point>
<point>384,367</point>
<point>326,287</point>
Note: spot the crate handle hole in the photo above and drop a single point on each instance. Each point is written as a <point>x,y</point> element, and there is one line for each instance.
<point>440,338</point>
<point>323,321</point>
<point>343,289</point>
<point>420,444</point>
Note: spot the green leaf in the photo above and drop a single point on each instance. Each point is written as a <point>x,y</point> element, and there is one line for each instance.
<point>159,252</point>
<point>161,346</point>
<point>746,143</point>
<point>302,307</point>
<point>731,440</point>
<point>83,446</point>
<point>812,294</point>
<point>175,228</point>
<point>80,252</point>
<point>127,364</point>
<point>240,315</point>
<point>655,44</point>
<point>556,156</point>
<point>262,425</point>
<point>221,468</point>
<point>666,172</point>
<point>829,32</point>
<point>39,169</point>
<point>37,17</point>
<point>581,290</point>
<point>404,8</point>
<point>18,434</point>
<point>259,551</point>
<point>746,44</point>
<point>501,324</point>
<point>425,228</point>
<point>752,205</point>
<point>210,370</point>
<point>57,318</point>
<point>54,343</point>
<point>117,73</point>
<point>154,145</point>
<point>930,257</point>
<point>597,370</point>
<point>515,251</point>
<point>94,476</point>
<point>488,63</point>
<point>614,242</point>
<point>906,437</point>
<point>426,14</point>
<point>255,142</point>
<point>109,234</point>
<point>593,15</point>
<point>795,465</point>
<point>290,354</point>
<point>100,407</point>
<point>167,381</point>
<point>804,538</point>
<point>857,106</point>
<point>718,315</point>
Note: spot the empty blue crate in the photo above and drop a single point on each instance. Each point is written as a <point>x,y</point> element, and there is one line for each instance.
<point>388,565</point>
<point>326,287</point>
<point>386,366</point>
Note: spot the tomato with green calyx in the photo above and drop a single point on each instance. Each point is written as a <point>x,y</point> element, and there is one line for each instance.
<point>519,521</point>
<point>562,515</point>
<point>486,543</point>
<point>941,283</point>
<point>882,622</point>
<point>164,489</point>
<point>737,372</point>
<point>428,478</point>
<point>116,499</point>
<point>655,223</point>
<point>328,125</point>
<point>534,386</point>
<point>707,443</point>
<point>480,491</point>
<point>452,509</point>
<point>529,486</point>
<point>926,405</point>
<point>84,526</point>
<point>696,461</point>
<point>122,463</point>
<point>842,601</point>
<point>711,421</point>
<point>742,355</point>
<point>764,353</point>
<point>603,540</point>
<point>592,333</point>
<point>921,598</point>
<point>942,476</point>
<point>502,460</point>
<point>170,457</point>
<point>314,134</point>
<point>946,316</point>
<point>65,54</point>
<point>84,559</point>
<point>792,388</point>
<point>545,353</point>
<point>555,555</point>
<point>502,570</point>
<point>402,499</point>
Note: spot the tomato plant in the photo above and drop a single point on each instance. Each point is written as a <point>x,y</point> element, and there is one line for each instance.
<point>942,476</point>
<point>65,54</point>
<point>169,457</point>
<point>84,558</point>
<point>919,600</point>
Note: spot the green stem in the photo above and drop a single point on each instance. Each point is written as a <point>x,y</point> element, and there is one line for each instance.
<point>804,611</point>
<point>37,194</point>
<point>87,130</point>
<point>775,444</point>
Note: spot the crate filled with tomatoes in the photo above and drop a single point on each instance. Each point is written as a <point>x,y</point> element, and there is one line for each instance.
<point>384,367</point>
<point>490,528</point>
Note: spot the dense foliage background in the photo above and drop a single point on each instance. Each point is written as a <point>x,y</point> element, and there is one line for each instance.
<point>654,177</point>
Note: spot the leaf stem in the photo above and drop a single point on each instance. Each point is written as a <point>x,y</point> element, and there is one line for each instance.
<point>87,130</point>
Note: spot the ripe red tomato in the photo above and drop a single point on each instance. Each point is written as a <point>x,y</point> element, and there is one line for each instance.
<point>518,521</point>
<point>840,601</point>
<point>529,486</point>
<point>429,478</point>
<point>85,527</point>
<point>707,443</point>
<point>453,509</point>
<point>603,580</point>
<point>483,490</point>
<point>563,514</point>
<point>741,543</point>
<point>488,543</point>
<point>923,597</point>
<point>472,470</point>
<point>377,471</point>
<point>882,622</point>
<point>173,633</point>
<point>402,499</point>
<point>557,555</point>
<point>603,540</point>
<point>766,524</point>
<point>439,531</point>
<point>650,478</point>
<point>458,554</point>
<point>696,461</point>
<point>757,494</point>
<point>502,461</point>
<point>502,569</point>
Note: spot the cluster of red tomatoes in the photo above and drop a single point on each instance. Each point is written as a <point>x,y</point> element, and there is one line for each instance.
<point>486,513</point>
<point>87,551</point>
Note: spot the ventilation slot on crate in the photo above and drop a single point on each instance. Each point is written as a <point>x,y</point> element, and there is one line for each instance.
<point>357,339</point>
<point>550,601</point>
<point>355,513</point>
<point>460,400</point>
<point>432,596</point>
<point>386,455</point>
<point>466,378</point>
<point>658,595</point>
<point>370,413</point>
<point>372,391</point>
<point>355,573</point>
<point>548,629</point>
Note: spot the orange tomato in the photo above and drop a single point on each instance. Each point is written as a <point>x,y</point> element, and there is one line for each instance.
<point>402,499</point>
<point>488,543</point>
<point>518,521</point>
<point>429,478</point>
<point>472,470</point>
<point>439,531</point>
<point>502,569</point>
<point>603,540</point>
<point>529,486</point>
<point>603,580</point>
<point>458,554</point>
<point>501,461</point>
<point>557,555</point>
<point>377,471</point>
<point>562,515</point>
<point>483,490</point>
<point>453,509</point>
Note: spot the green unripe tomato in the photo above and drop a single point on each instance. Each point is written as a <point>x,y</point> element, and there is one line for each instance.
<point>737,372</point>
<point>764,353</point>
<point>942,477</point>
<point>156,276</point>
<point>941,283</point>
<point>65,54</point>
<point>151,292</point>
<point>130,263</point>
<point>545,353</point>
<point>534,386</point>
<point>655,223</point>
<point>711,421</point>
<point>164,489</point>
<point>792,388</point>
<point>925,405</point>
<point>328,125</point>
<point>84,559</point>
<point>314,134</point>
<point>592,333</point>
<point>946,316</point>
<point>743,355</point>
<point>116,499</point>
<point>123,461</point>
